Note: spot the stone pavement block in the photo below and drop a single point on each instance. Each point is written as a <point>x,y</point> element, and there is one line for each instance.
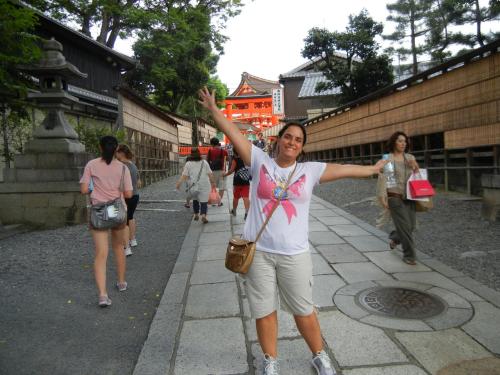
<point>483,291</point>
<point>485,326</point>
<point>405,284</point>
<point>156,354</point>
<point>373,230</point>
<point>451,299</point>
<point>341,253</point>
<point>468,295</point>
<point>324,238</point>
<point>349,307</point>
<point>357,344</point>
<point>212,300</point>
<point>435,350</point>
<point>334,220</point>
<point>387,370</point>
<point>441,267</point>
<point>184,261</point>
<point>205,347</point>
<point>219,226</point>
<point>317,226</point>
<point>216,238</point>
<point>363,271</point>
<point>322,213</point>
<point>238,229</point>
<point>286,326</point>
<point>324,287</point>
<point>353,289</point>
<point>320,265</point>
<point>367,243</point>
<point>316,206</point>
<point>432,278</point>
<point>217,217</point>
<point>212,252</point>
<point>294,358</point>
<point>391,262</point>
<point>484,366</point>
<point>349,230</point>
<point>212,271</point>
<point>399,324</point>
<point>453,318</point>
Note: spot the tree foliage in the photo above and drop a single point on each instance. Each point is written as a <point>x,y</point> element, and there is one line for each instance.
<point>362,70</point>
<point>18,46</point>
<point>123,18</point>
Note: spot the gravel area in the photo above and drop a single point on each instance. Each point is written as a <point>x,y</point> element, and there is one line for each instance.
<point>49,319</point>
<point>454,226</point>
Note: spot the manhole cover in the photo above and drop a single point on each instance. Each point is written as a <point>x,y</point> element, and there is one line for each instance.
<point>401,303</point>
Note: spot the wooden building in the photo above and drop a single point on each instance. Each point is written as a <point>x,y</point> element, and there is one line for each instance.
<point>451,113</point>
<point>252,103</point>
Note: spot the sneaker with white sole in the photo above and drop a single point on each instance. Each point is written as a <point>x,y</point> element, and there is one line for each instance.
<point>128,251</point>
<point>270,365</point>
<point>122,286</point>
<point>322,364</point>
<point>104,301</point>
<point>133,242</point>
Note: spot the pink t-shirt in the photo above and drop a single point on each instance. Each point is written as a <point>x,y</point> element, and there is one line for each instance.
<point>106,179</point>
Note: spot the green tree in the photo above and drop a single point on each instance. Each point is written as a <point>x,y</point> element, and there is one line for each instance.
<point>123,18</point>
<point>176,58</point>
<point>473,14</point>
<point>410,17</point>
<point>361,71</point>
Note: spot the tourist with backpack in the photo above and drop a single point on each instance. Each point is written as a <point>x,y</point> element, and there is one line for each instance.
<point>241,183</point>
<point>217,158</point>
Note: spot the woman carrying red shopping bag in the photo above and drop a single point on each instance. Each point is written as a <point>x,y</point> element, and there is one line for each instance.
<point>391,193</point>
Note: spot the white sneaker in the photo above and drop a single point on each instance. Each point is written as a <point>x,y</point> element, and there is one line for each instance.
<point>270,365</point>
<point>128,251</point>
<point>133,242</point>
<point>322,364</point>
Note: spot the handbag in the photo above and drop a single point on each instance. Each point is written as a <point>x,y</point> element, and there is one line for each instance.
<point>420,188</point>
<point>424,206</point>
<point>213,197</point>
<point>190,190</point>
<point>110,214</point>
<point>240,252</point>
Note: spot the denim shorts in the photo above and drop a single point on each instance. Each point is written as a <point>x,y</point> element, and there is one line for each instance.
<point>276,280</point>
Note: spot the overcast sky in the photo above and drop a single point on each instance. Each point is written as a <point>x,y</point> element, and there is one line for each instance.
<point>268,35</point>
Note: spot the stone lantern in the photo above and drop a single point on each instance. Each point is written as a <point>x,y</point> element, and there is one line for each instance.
<point>54,134</point>
<point>42,189</point>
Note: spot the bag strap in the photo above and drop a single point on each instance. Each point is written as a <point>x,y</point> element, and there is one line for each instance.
<point>199,173</point>
<point>122,180</point>
<point>276,203</point>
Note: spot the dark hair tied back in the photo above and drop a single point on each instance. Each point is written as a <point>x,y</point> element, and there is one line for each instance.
<point>108,145</point>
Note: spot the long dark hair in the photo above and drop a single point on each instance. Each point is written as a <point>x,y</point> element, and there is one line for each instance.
<point>108,145</point>
<point>391,143</point>
<point>195,154</point>
<point>304,137</point>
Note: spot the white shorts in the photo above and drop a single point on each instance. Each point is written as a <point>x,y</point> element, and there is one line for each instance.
<point>273,277</point>
<point>219,180</point>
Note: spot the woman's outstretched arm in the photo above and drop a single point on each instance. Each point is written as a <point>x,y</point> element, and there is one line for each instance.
<point>337,171</point>
<point>241,144</point>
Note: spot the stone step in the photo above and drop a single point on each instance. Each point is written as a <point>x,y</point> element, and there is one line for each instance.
<point>11,230</point>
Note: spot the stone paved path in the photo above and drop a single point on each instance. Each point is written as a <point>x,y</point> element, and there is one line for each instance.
<point>202,325</point>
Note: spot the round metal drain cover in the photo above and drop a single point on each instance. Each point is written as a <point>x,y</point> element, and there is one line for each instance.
<point>403,303</point>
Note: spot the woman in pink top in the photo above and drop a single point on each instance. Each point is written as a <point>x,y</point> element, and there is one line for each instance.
<point>102,179</point>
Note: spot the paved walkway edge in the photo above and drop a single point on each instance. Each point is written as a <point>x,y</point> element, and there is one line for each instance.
<point>156,354</point>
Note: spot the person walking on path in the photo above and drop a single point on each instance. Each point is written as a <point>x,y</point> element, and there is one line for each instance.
<point>241,183</point>
<point>217,158</point>
<point>105,175</point>
<point>391,193</point>
<point>197,171</point>
<point>282,263</point>
<point>125,155</point>
<point>260,142</point>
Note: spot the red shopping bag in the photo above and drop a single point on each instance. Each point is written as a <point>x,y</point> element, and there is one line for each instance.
<point>214,197</point>
<point>421,188</point>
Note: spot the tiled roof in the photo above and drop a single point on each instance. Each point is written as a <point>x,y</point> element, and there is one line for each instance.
<point>259,85</point>
<point>308,89</point>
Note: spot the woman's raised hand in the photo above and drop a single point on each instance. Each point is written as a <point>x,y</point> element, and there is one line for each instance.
<point>207,99</point>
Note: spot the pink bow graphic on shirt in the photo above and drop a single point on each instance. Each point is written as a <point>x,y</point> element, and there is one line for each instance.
<point>268,189</point>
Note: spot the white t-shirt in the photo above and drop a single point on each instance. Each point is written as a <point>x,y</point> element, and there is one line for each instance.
<point>287,231</point>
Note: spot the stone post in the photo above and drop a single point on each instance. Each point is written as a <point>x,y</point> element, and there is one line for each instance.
<point>42,189</point>
<point>491,197</point>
